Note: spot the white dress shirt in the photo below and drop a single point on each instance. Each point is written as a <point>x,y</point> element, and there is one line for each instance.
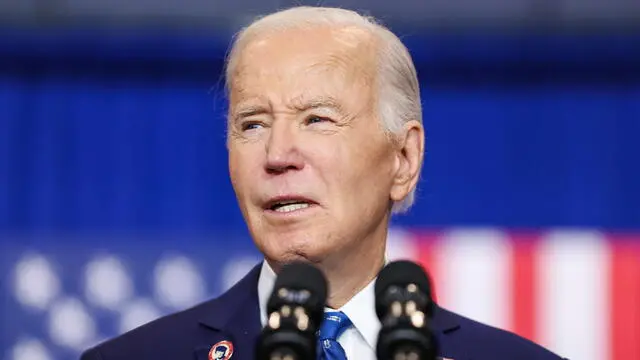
<point>359,340</point>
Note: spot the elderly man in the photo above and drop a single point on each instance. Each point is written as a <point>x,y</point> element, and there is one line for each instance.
<point>325,142</point>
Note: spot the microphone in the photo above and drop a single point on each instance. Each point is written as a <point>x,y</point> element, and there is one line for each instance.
<point>294,314</point>
<point>404,307</point>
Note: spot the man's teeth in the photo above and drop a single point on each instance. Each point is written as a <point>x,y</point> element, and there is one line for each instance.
<point>291,207</point>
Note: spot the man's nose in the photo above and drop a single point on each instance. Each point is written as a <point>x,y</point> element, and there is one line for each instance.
<point>282,148</point>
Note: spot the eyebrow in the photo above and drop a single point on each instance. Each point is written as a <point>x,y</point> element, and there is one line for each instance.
<point>249,110</point>
<point>302,104</point>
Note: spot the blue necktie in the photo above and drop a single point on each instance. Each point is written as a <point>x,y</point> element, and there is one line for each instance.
<point>334,324</point>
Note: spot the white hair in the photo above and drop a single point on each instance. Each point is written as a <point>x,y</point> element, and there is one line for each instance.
<point>399,90</point>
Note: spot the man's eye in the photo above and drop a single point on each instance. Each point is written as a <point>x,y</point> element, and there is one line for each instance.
<point>316,119</point>
<point>250,125</point>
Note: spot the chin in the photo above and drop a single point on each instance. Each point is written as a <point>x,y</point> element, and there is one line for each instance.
<point>283,251</point>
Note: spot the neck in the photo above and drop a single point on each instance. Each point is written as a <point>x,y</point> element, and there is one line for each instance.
<point>350,270</point>
<point>347,277</point>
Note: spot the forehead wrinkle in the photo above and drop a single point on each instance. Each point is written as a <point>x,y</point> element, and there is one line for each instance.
<point>345,81</point>
<point>344,66</point>
<point>245,98</point>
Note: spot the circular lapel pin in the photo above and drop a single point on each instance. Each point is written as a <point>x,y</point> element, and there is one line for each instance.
<point>221,351</point>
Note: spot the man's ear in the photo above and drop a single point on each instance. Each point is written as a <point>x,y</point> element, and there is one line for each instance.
<point>409,156</point>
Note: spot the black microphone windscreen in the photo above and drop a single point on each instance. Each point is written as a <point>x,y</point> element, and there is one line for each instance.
<point>401,273</point>
<point>305,278</point>
<point>295,311</point>
<point>405,309</point>
<point>300,276</point>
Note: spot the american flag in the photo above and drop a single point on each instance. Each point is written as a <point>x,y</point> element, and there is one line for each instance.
<point>576,292</point>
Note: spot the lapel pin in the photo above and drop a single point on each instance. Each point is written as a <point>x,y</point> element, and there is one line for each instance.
<point>221,350</point>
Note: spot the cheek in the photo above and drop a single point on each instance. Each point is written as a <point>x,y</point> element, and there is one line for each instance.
<point>243,168</point>
<point>353,170</point>
<point>369,169</point>
<point>330,158</point>
<point>234,170</point>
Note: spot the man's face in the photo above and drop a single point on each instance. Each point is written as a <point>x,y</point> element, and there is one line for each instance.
<point>310,164</point>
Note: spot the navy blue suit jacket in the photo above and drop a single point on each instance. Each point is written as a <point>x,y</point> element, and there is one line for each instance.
<point>235,316</point>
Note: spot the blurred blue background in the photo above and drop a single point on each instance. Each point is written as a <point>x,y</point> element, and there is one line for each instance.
<point>112,136</point>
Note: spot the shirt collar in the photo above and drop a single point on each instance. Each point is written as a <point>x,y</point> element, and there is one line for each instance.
<point>266,282</point>
<point>360,309</point>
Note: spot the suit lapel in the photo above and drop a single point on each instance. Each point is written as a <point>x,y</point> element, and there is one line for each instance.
<point>235,317</point>
<point>445,324</point>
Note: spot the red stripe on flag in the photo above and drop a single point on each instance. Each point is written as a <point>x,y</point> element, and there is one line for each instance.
<point>625,298</point>
<point>428,257</point>
<point>523,284</point>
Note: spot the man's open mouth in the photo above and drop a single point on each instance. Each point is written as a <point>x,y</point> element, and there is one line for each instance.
<point>288,205</point>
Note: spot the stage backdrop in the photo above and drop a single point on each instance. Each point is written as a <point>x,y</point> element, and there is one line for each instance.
<point>116,207</point>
